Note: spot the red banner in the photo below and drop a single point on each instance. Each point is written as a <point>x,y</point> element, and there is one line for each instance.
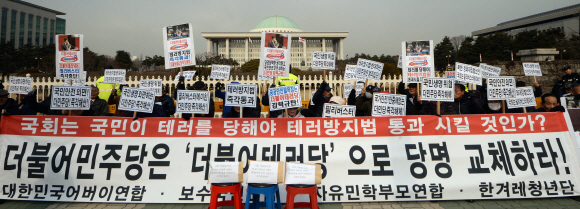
<point>281,127</point>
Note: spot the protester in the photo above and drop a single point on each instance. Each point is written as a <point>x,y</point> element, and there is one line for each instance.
<point>27,104</point>
<point>414,104</point>
<point>337,100</point>
<point>180,86</point>
<point>99,106</point>
<point>292,113</point>
<point>266,102</point>
<point>287,81</point>
<point>431,109</point>
<point>364,103</point>
<point>222,95</point>
<point>465,103</point>
<point>550,104</point>
<point>114,100</point>
<point>200,85</point>
<point>8,106</point>
<point>321,96</point>
<point>167,102</point>
<point>352,100</point>
<point>106,89</point>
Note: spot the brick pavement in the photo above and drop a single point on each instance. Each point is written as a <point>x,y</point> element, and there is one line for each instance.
<point>555,203</point>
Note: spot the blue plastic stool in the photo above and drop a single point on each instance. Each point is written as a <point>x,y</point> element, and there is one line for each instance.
<point>270,191</point>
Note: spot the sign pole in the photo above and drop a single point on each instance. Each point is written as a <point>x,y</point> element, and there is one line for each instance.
<point>438,107</point>
<point>503,106</point>
<point>134,114</point>
<point>535,79</point>
<point>525,111</point>
<point>324,75</point>
<point>241,112</point>
<point>70,84</point>
<point>286,112</point>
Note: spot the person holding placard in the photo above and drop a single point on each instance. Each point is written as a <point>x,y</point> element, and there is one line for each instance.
<point>99,106</point>
<point>167,103</point>
<point>465,103</point>
<point>9,106</point>
<point>287,81</point>
<point>114,100</point>
<point>292,113</point>
<point>321,96</point>
<point>550,104</point>
<point>364,103</point>
<point>106,89</point>
<point>414,103</point>
<point>222,95</point>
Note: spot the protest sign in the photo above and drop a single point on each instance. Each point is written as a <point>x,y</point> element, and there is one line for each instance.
<point>264,172</point>
<point>524,98</point>
<point>350,73</point>
<point>115,76</point>
<point>241,95</point>
<point>70,98</point>
<point>532,69</point>
<point>467,73</point>
<point>178,46</point>
<point>193,101</point>
<point>284,97</point>
<point>348,88</point>
<point>220,72</point>
<point>389,104</point>
<point>489,71</point>
<point>152,84</point>
<point>274,56</point>
<point>323,60</point>
<point>69,56</point>
<point>400,62</point>
<point>298,173</point>
<point>417,61</point>
<point>19,85</point>
<point>438,89</point>
<point>367,69</point>
<point>450,74</point>
<point>226,172</point>
<point>501,88</point>
<point>82,81</point>
<point>180,152</point>
<point>334,110</point>
<point>137,99</point>
<point>187,74</point>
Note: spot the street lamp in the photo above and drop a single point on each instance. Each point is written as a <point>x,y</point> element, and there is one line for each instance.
<point>38,62</point>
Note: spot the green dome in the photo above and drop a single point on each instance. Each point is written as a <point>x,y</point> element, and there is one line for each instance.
<point>276,22</point>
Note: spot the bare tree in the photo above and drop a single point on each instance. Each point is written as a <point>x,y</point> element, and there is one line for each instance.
<point>456,41</point>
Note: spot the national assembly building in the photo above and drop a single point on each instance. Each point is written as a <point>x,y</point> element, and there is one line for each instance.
<point>245,46</point>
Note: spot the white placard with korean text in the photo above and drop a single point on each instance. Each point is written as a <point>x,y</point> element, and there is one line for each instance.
<point>348,88</point>
<point>389,104</point>
<point>323,60</point>
<point>187,74</point>
<point>368,69</point>
<point>19,85</point>
<point>524,98</point>
<point>70,98</point>
<point>178,46</point>
<point>467,73</point>
<point>69,56</point>
<point>263,172</point>
<point>114,76</point>
<point>284,97</point>
<point>241,95</point>
<point>501,88</point>
<point>418,60</point>
<point>438,89</point>
<point>489,71</point>
<point>137,99</point>
<point>274,55</point>
<point>192,101</point>
<point>333,110</point>
<point>152,84</point>
<point>220,72</point>
<point>532,69</point>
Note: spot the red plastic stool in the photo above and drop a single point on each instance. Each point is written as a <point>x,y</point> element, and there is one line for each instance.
<point>293,190</point>
<point>217,189</point>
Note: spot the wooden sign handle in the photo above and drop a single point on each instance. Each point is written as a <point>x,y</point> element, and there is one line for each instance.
<point>503,106</point>
<point>324,75</point>
<point>438,107</point>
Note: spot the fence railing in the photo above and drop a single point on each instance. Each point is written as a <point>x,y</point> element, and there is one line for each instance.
<point>308,84</point>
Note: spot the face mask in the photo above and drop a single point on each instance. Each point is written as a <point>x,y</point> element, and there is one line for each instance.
<point>368,95</point>
<point>494,106</point>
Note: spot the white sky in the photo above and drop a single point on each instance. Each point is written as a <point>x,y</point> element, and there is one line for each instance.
<point>375,27</point>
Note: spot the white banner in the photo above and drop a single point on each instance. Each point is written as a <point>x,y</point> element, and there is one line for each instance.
<point>187,74</point>
<point>501,88</point>
<point>367,69</point>
<point>348,87</point>
<point>334,110</point>
<point>323,60</point>
<point>389,104</point>
<point>489,71</point>
<point>69,56</point>
<point>220,72</point>
<point>524,98</point>
<point>193,101</point>
<point>241,95</point>
<point>402,158</point>
<point>155,85</point>
<point>178,46</point>
<point>137,99</point>
<point>274,56</point>
<point>115,76</point>
<point>82,81</point>
<point>284,97</point>
<point>418,61</point>
<point>532,69</point>
<point>19,85</point>
<point>467,73</point>
<point>350,73</point>
<point>70,98</point>
<point>438,89</point>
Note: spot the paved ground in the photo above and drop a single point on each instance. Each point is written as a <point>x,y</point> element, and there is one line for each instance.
<point>555,203</point>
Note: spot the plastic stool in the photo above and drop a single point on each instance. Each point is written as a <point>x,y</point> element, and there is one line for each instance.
<point>270,191</point>
<point>234,188</point>
<point>293,190</point>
